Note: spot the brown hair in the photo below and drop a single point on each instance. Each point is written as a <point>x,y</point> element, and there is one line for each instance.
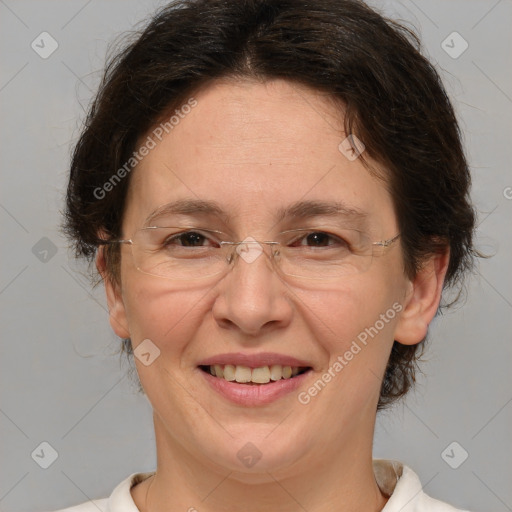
<point>393,97</point>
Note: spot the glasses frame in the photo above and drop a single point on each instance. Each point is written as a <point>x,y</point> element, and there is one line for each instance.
<point>234,245</point>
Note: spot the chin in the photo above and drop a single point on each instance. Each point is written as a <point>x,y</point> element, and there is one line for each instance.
<point>252,457</point>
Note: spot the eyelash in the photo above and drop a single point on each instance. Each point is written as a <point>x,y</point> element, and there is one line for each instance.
<point>179,236</point>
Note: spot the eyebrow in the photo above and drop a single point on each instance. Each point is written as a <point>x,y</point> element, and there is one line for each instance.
<point>306,209</point>
<point>297,210</point>
<point>187,207</point>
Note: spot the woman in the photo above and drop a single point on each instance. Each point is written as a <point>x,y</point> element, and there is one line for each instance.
<point>275,194</point>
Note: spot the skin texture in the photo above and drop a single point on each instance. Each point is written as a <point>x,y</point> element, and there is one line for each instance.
<point>255,147</point>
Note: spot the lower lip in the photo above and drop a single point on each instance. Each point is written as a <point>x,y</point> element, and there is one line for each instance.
<point>254,394</point>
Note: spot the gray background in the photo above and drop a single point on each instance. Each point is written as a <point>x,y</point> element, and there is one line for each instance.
<point>61,380</point>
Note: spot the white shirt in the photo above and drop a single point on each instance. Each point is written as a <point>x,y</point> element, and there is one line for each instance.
<point>394,479</point>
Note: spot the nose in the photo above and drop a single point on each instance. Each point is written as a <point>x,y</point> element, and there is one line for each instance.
<point>252,297</point>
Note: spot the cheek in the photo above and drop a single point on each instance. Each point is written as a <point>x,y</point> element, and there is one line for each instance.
<point>359,317</point>
<point>168,317</point>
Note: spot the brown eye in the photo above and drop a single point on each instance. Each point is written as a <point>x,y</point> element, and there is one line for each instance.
<point>187,239</point>
<point>191,239</point>
<point>318,239</point>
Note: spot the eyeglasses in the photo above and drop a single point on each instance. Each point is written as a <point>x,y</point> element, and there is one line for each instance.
<point>189,253</point>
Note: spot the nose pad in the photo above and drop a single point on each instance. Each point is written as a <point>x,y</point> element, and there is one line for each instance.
<point>250,250</point>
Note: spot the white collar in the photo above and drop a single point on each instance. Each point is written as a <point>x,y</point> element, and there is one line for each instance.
<point>393,478</point>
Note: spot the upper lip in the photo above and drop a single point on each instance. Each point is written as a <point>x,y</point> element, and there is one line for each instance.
<point>254,360</point>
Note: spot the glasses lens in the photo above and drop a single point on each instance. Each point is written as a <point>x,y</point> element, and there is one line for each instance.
<point>185,253</point>
<point>178,252</point>
<point>324,254</point>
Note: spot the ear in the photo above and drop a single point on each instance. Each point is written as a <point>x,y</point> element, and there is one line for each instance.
<point>422,300</point>
<point>116,308</point>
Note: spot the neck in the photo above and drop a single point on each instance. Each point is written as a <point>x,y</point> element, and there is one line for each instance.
<point>341,480</point>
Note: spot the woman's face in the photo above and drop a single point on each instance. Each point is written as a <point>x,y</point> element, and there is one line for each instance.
<point>256,150</point>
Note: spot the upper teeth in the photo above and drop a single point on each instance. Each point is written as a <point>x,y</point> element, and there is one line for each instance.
<point>261,375</point>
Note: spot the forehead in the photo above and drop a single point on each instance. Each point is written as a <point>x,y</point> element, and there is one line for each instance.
<point>255,149</point>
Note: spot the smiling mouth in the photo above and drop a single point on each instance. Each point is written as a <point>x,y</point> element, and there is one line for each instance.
<point>261,375</point>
